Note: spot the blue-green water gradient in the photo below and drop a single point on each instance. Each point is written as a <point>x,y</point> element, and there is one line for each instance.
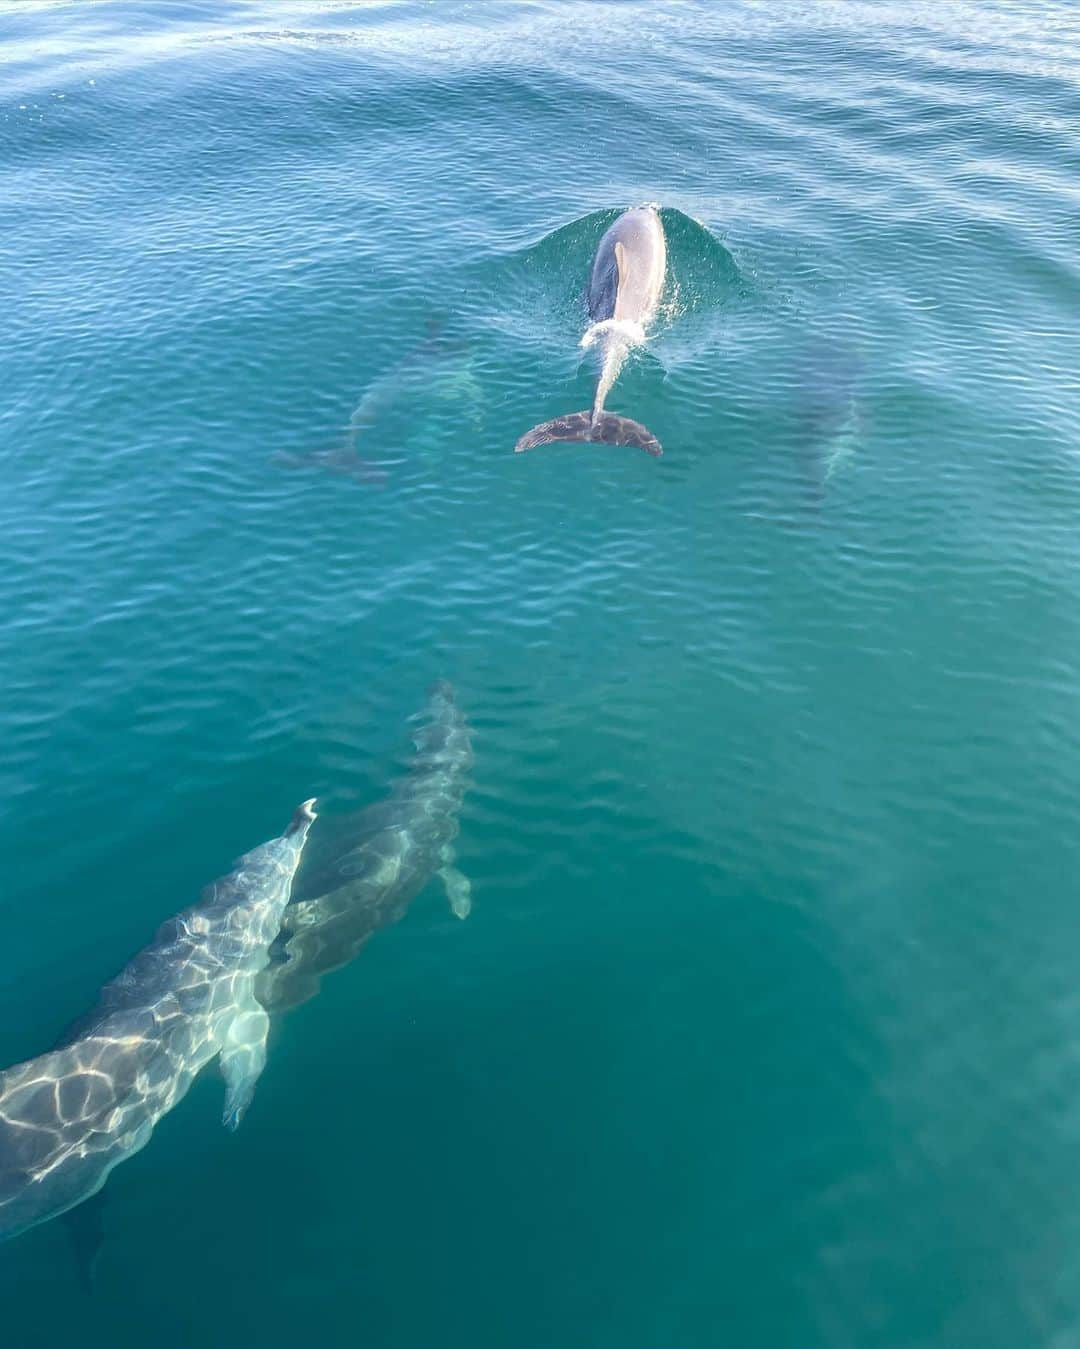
<point>763,1029</point>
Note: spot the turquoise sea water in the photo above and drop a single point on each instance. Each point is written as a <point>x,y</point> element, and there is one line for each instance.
<point>764,1027</point>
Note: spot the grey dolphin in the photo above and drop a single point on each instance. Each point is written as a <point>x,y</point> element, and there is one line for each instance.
<point>828,420</point>
<point>624,291</point>
<point>383,857</point>
<point>435,374</point>
<point>71,1115</point>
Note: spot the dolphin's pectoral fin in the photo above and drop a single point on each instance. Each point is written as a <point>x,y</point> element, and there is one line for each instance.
<point>457,885</point>
<point>243,1056</point>
<point>458,891</point>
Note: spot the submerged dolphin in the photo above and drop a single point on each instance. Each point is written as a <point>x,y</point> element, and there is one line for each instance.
<point>624,291</point>
<point>433,377</point>
<point>828,419</point>
<point>383,858</point>
<point>68,1117</point>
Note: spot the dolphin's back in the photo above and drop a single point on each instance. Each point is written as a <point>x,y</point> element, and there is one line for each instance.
<point>380,860</point>
<point>69,1116</point>
<point>604,281</point>
<point>624,290</point>
<point>629,267</point>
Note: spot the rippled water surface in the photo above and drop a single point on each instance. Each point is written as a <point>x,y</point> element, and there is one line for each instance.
<point>764,1029</point>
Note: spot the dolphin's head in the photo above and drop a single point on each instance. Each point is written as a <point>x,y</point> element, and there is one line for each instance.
<point>303,818</point>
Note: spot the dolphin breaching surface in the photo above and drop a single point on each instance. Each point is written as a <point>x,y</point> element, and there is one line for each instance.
<point>70,1116</point>
<point>624,290</point>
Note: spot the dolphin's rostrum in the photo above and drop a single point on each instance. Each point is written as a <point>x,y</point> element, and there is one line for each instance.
<point>624,291</point>
<point>68,1117</point>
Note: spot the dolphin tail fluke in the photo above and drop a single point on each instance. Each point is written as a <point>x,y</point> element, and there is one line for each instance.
<point>612,429</point>
<point>608,428</point>
<point>574,426</point>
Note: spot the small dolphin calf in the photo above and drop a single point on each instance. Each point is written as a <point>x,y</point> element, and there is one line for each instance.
<point>383,857</point>
<point>624,291</point>
<point>68,1117</point>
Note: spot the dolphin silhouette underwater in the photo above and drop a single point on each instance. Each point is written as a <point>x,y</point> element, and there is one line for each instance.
<point>71,1115</point>
<point>829,424</point>
<point>432,379</point>
<point>624,292</point>
<point>382,858</point>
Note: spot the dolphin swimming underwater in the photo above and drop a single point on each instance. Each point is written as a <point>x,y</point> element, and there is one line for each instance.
<point>383,857</point>
<point>828,419</point>
<point>434,377</point>
<point>71,1115</point>
<point>624,291</point>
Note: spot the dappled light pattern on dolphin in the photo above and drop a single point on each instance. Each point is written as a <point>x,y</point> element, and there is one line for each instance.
<point>381,859</point>
<point>68,1117</point>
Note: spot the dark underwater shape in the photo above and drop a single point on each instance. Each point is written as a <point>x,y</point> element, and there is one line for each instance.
<point>68,1117</point>
<point>339,458</point>
<point>381,858</point>
<point>433,378</point>
<point>827,420</point>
